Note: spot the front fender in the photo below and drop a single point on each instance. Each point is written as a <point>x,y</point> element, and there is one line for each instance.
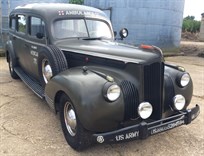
<point>85,91</point>
<point>172,88</point>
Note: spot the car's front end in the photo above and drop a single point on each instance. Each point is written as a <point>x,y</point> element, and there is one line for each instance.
<point>119,92</point>
<point>112,97</point>
<point>157,102</point>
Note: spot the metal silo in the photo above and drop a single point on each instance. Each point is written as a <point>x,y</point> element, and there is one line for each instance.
<point>156,22</point>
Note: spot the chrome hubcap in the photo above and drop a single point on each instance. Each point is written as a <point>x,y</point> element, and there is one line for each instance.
<point>70,118</point>
<point>46,70</point>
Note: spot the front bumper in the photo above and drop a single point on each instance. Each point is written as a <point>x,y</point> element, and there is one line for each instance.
<point>144,129</point>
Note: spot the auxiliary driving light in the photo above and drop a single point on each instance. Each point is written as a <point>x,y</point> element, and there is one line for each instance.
<point>145,110</point>
<point>179,102</point>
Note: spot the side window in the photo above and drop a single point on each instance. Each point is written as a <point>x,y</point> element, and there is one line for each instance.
<point>37,27</point>
<point>21,23</point>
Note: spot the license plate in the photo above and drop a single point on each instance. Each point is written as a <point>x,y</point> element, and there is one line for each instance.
<point>167,127</point>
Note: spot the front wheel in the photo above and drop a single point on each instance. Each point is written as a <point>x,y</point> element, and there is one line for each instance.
<point>76,136</point>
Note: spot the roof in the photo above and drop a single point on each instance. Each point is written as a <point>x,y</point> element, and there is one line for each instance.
<point>60,9</point>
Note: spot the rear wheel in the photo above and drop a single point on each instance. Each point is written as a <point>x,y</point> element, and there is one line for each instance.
<point>12,63</point>
<point>76,136</point>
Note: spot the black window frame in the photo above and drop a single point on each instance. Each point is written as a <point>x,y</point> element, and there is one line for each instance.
<point>17,24</point>
<point>30,25</point>
<point>11,18</point>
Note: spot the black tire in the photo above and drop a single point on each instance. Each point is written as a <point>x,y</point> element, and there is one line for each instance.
<point>12,63</point>
<point>82,138</point>
<point>55,58</point>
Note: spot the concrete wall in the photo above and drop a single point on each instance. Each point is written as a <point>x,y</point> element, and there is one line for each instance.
<point>201,34</point>
<point>156,22</point>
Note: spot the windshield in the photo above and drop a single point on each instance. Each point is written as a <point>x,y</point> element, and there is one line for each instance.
<point>81,28</point>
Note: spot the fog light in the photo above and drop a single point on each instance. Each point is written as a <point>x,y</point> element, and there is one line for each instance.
<point>179,102</point>
<point>145,110</point>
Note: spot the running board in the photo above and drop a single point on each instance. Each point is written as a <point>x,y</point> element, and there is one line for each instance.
<point>33,85</point>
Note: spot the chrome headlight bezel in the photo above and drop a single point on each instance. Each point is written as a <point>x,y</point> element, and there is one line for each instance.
<point>111,92</point>
<point>145,110</point>
<point>179,102</point>
<point>183,79</point>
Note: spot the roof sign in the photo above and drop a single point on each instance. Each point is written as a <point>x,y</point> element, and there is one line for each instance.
<point>77,12</point>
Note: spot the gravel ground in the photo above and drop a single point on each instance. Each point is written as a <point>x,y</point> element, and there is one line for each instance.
<point>29,127</point>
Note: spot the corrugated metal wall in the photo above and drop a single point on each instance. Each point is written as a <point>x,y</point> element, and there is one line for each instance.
<point>156,22</point>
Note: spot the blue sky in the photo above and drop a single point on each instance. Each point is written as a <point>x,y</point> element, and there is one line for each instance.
<point>194,8</point>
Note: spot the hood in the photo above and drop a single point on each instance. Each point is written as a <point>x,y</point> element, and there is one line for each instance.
<point>111,50</point>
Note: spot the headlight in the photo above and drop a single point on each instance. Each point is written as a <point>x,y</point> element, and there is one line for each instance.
<point>145,110</point>
<point>113,92</point>
<point>179,102</point>
<point>184,80</point>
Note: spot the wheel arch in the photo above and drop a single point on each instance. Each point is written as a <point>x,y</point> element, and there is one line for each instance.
<point>57,97</point>
<point>9,50</point>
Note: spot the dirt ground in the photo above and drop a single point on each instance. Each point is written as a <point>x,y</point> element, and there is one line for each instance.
<point>191,48</point>
<point>29,127</point>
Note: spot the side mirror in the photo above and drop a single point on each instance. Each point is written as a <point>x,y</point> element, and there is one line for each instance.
<point>123,33</point>
<point>39,35</point>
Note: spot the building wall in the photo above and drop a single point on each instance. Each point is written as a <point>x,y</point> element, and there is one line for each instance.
<point>201,35</point>
<point>150,22</point>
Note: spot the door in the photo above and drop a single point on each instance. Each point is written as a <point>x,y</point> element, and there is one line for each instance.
<point>36,40</point>
<point>18,39</point>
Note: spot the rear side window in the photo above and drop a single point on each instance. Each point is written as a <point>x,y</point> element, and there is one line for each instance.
<point>37,26</point>
<point>21,23</point>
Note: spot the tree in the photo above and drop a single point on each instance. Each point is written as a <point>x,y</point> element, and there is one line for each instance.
<point>76,1</point>
<point>189,18</point>
<point>190,24</point>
